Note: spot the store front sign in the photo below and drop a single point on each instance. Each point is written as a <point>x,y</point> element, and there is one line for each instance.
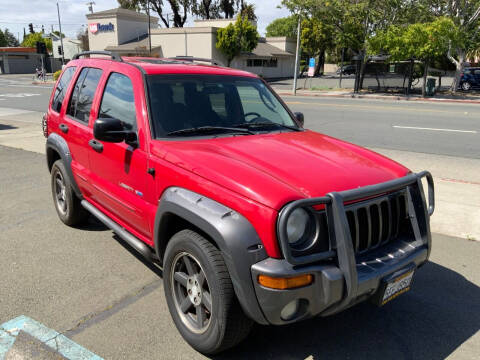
<point>97,27</point>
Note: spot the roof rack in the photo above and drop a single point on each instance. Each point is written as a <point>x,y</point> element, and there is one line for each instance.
<point>193,59</point>
<point>107,53</point>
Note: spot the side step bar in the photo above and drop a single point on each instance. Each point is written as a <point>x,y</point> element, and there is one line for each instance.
<point>132,240</point>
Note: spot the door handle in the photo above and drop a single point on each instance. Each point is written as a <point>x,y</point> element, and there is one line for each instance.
<point>63,127</point>
<point>96,145</point>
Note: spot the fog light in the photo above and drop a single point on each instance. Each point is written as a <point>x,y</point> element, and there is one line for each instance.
<point>290,310</point>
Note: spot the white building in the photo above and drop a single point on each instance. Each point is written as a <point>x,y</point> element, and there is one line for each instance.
<point>70,47</point>
<point>125,32</point>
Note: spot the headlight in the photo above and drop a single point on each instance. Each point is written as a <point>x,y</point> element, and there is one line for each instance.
<point>301,229</point>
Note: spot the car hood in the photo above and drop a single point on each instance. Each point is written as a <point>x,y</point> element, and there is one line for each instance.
<point>276,168</point>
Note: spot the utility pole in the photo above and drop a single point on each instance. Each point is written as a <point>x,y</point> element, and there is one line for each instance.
<point>61,37</point>
<point>149,34</point>
<point>296,58</point>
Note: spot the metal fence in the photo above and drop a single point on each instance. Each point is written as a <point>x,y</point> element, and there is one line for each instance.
<point>379,75</point>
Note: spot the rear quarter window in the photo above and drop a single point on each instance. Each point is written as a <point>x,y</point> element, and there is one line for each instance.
<point>61,88</point>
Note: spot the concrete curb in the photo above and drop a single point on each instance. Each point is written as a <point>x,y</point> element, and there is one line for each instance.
<point>379,97</point>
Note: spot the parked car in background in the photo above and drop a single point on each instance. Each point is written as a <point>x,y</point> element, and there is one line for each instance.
<point>470,79</point>
<point>347,70</point>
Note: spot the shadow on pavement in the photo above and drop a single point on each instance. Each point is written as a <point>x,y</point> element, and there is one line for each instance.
<point>7,127</point>
<point>440,313</point>
<point>93,224</point>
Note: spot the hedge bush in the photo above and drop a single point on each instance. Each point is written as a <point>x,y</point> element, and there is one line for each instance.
<point>56,75</point>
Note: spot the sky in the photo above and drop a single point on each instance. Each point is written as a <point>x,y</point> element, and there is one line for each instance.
<point>17,14</point>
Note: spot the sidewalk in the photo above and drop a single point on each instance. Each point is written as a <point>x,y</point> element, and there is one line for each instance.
<point>348,93</point>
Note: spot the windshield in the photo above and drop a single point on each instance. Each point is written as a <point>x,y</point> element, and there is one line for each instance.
<point>181,102</point>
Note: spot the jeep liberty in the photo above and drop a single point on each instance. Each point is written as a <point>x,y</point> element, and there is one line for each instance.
<point>204,170</point>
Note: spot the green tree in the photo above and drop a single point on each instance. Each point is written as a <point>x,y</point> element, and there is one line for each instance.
<point>248,11</point>
<point>228,8</point>
<point>180,9</point>
<point>31,40</point>
<point>3,39</point>
<point>10,39</point>
<point>239,37</point>
<point>422,41</point>
<point>316,38</point>
<point>286,26</point>
<point>206,9</point>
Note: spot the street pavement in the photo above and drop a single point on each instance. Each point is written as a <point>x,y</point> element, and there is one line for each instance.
<point>90,286</point>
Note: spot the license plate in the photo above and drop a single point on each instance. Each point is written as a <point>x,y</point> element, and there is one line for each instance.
<point>395,287</point>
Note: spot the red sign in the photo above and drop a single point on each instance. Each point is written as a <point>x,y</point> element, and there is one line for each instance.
<point>93,28</point>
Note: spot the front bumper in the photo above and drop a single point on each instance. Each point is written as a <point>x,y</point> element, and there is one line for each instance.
<point>346,278</point>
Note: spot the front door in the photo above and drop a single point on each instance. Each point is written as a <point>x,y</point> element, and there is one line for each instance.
<point>119,170</point>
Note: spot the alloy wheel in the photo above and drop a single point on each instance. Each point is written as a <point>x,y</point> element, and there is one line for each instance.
<point>191,292</point>
<point>466,86</point>
<point>60,193</point>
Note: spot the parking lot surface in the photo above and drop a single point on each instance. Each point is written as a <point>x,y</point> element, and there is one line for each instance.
<point>91,287</point>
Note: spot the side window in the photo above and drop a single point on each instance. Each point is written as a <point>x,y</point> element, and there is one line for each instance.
<point>118,101</point>
<point>83,93</point>
<point>61,88</point>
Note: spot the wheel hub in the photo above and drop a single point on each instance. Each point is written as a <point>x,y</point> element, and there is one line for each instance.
<point>194,290</point>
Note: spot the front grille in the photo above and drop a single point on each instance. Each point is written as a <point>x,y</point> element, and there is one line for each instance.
<point>376,221</point>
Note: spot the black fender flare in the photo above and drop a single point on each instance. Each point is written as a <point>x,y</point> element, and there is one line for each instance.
<point>56,143</point>
<point>236,238</point>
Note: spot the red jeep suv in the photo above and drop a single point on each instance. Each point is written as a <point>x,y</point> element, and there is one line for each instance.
<point>204,170</point>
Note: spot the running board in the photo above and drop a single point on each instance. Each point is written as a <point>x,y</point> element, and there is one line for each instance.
<point>132,240</point>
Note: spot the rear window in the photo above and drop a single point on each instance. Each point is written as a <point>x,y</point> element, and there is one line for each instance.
<point>61,88</point>
<point>83,94</point>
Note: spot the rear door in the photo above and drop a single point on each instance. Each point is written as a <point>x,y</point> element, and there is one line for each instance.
<point>75,124</point>
<point>119,170</point>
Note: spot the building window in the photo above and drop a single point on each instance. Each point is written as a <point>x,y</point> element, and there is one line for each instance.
<point>272,62</point>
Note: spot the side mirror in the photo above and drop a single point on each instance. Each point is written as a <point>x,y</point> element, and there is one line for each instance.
<point>300,118</point>
<point>112,130</point>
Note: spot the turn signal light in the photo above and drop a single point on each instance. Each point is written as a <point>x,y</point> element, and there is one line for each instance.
<point>283,283</point>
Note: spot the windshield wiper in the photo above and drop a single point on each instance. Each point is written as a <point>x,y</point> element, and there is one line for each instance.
<point>253,125</point>
<point>210,129</point>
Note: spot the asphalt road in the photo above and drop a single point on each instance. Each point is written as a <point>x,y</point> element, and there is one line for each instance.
<point>87,284</point>
<point>434,128</point>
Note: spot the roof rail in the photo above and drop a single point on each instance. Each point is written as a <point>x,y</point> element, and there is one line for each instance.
<point>192,59</point>
<point>107,53</point>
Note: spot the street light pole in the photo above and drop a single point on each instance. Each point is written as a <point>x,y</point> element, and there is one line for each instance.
<point>296,58</point>
<point>61,38</point>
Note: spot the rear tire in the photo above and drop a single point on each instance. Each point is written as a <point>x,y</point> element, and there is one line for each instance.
<point>67,204</point>
<point>196,281</point>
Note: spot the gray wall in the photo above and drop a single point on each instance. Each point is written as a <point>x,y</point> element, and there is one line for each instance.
<point>26,63</point>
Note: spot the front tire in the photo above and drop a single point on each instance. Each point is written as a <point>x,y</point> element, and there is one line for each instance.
<point>200,294</point>
<point>67,204</point>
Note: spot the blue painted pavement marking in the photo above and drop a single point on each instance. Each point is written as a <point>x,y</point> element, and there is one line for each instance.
<point>51,338</point>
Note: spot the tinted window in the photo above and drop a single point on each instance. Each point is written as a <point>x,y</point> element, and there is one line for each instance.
<point>61,88</point>
<point>83,93</point>
<point>118,101</point>
<point>476,71</point>
<point>188,101</point>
